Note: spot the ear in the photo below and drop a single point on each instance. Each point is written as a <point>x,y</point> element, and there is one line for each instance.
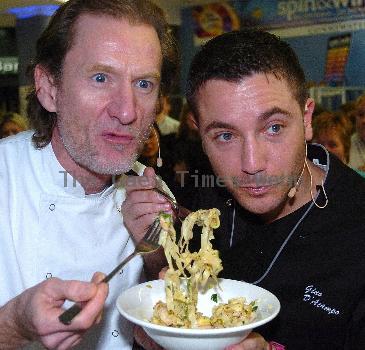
<point>307,118</point>
<point>45,88</point>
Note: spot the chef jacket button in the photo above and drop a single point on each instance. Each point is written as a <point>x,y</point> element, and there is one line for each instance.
<point>52,207</point>
<point>48,275</point>
<point>115,333</point>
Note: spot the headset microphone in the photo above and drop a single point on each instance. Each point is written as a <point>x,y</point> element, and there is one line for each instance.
<point>292,192</point>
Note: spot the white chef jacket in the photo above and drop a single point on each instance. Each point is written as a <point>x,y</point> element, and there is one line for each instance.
<point>50,228</point>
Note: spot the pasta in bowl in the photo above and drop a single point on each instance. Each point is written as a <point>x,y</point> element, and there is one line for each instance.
<point>136,304</point>
<point>192,307</point>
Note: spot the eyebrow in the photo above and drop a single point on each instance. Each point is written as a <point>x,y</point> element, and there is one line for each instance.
<point>262,117</point>
<point>101,68</point>
<point>275,110</point>
<point>109,69</point>
<point>218,125</point>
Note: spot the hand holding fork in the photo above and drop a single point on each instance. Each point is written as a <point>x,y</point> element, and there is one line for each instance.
<point>148,244</point>
<point>145,199</point>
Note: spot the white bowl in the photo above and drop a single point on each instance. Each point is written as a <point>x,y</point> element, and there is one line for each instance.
<point>136,305</point>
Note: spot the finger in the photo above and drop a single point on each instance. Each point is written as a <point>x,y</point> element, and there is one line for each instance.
<point>139,182</point>
<point>144,340</point>
<point>144,223</point>
<point>147,181</point>
<point>98,277</point>
<point>99,317</point>
<point>149,172</point>
<point>60,340</point>
<point>145,196</point>
<point>138,211</point>
<point>70,342</point>
<point>253,341</point>
<point>92,309</point>
<point>71,290</point>
<point>162,273</point>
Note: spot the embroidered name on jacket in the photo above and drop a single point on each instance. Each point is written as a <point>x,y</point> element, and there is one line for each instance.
<point>314,296</point>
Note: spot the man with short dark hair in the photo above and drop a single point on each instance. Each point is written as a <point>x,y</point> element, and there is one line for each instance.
<point>97,77</point>
<point>292,217</point>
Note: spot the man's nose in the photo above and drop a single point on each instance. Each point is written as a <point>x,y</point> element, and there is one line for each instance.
<point>252,157</point>
<point>122,105</point>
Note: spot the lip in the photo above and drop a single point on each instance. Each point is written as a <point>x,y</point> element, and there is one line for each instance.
<point>256,190</point>
<point>118,138</point>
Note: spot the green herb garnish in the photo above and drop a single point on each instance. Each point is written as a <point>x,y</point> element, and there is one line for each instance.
<point>165,215</point>
<point>214,298</point>
<point>254,305</point>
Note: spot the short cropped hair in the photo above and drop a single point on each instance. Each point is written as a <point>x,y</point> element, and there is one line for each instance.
<point>236,55</point>
<point>57,39</point>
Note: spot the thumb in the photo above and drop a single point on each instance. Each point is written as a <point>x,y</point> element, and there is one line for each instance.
<point>162,273</point>
<point>149,172</point>
<point>97,277</point>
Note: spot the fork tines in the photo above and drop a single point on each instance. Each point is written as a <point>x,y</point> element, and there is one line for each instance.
<point>153,233</point>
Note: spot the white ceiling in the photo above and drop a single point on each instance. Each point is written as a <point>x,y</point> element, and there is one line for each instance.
<point>172,7</point>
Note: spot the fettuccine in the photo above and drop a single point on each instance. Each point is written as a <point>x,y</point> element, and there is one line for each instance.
<point>189,272</point>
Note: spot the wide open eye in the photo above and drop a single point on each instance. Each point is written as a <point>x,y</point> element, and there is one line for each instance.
<point>145,85</point>
<point>225,136</point>
<point>274,129</point>
<point>100,78</point>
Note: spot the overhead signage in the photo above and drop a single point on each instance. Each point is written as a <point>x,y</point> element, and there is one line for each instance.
<point>293,13</point>
<point>318,29</point>
<point>338,48</point>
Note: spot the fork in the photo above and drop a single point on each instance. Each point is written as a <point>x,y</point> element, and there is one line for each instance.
<point>180,212</point>
<point>148,244</point>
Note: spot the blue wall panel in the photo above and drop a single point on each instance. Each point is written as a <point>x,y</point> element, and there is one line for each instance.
<point>311,50</point>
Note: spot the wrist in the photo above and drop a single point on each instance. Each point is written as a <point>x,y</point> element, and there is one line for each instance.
<point>12,336</point>
<point>273,345</point>
<point>22,328</point>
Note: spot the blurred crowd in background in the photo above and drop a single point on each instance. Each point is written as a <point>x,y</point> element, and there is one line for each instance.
<point>11,123</point>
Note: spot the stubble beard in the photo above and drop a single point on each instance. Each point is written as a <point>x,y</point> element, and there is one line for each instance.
<point>264,207</point>
<point>87,155</point>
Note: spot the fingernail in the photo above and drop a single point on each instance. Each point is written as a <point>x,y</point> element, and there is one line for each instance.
<point>161,198</point>
<point>164,207</point>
